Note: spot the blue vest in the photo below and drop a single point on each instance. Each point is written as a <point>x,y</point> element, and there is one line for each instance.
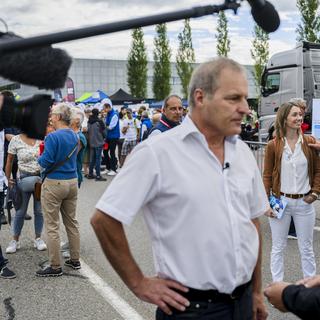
<point>115,132</point>
<point>164,124</point>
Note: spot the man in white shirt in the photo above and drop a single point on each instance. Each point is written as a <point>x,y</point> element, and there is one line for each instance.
<point>201,194</point>
<point>130,127</point>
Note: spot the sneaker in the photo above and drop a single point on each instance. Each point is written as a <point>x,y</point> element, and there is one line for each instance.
<point>39,244</point>
<point>111,173</point>
<point>90,176</point>
<point>13,246</point>
<point>292,237</point>
<point>27,217</point>
<point>99,178</point>
<point>49,272</point>
<point>74,264</point>
<point>6,273</point>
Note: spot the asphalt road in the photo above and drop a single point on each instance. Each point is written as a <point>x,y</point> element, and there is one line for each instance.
<point>73,295</point>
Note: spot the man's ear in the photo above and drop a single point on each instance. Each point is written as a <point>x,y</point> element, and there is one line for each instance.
<point>198,97</point>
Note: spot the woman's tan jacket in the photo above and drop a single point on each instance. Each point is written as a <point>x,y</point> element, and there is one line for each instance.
<point>272,165</point>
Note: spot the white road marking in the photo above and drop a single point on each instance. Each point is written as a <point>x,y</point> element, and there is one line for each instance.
<point>316,228</point>
<point>121,306</point>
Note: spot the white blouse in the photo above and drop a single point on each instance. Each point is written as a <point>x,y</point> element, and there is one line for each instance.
<point>294,170</point>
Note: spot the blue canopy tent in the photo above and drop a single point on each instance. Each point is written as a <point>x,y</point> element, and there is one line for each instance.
<point>96,97</point>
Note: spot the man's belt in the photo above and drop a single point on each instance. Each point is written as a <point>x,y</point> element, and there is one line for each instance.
<point>215,295</point>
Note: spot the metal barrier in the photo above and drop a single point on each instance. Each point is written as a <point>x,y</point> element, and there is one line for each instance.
<point>258,149</point>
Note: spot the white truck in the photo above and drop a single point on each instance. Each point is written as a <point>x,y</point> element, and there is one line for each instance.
<point>290,74</point>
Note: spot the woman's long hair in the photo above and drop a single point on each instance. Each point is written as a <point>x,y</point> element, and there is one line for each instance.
<point>282,115</point>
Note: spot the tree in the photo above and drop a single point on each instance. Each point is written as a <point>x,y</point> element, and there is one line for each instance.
<point>185,57</point>
<point>308,29</point>
<point>259,52</point>
<point>137,65</point>
<point>162,67</point>
<point>223,42</point>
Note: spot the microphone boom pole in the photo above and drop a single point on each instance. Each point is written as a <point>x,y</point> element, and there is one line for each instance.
<point>48,39</point>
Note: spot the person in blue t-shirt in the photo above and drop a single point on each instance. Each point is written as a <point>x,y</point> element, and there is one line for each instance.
<point>60,189</point>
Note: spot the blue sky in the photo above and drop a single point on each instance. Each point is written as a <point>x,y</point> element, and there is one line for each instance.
<point>34,17</point>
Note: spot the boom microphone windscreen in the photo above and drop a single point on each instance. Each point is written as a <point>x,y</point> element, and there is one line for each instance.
<point>43,67</point>
<point>265,15</point>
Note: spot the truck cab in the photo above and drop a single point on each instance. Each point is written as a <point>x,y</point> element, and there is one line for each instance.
<point>291,74</point>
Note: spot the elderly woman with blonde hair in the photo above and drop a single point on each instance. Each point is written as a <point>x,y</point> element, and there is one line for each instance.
<point>292,173</point>
<point>60,189</point>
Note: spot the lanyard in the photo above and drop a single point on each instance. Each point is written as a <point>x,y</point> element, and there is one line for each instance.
<point>166,124</point>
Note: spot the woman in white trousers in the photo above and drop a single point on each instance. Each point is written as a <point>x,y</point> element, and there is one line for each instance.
<point>291,172</point>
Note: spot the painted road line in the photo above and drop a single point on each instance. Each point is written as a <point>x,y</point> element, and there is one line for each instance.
<point>109,294</point>
<point>316,228</point>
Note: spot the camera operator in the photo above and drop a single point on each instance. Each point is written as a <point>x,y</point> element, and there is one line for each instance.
<point>5,272</point>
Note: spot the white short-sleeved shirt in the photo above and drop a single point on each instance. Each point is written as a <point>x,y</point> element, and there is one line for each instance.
<point>27,155</point>
<point>132,132</point>
<point>199,215</point>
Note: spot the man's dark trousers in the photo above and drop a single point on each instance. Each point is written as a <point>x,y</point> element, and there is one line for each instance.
<point>240,309</point>
<point>110,155</point>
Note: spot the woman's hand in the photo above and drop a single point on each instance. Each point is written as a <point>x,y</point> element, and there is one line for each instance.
<point>309,198</point>
<point>269,213</point>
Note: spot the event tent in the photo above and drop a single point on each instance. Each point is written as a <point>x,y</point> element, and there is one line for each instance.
<point>94,97</point>
<point>121,97</point>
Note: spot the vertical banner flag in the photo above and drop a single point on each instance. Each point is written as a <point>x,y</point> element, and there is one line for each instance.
<point>70,90</point>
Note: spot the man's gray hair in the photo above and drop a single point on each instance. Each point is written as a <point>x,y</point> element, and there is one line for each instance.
<point>64,110</point>
<point>206,76</point>
<point>165,101</point>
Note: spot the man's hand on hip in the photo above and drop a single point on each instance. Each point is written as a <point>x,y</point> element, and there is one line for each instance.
<point>160,292</point>
<point>259,308</point>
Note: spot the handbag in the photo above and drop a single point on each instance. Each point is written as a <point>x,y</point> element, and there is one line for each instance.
<point>38,185</point>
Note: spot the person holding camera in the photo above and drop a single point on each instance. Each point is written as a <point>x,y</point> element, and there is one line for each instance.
<point>5,272</point>
<point>27,151</point>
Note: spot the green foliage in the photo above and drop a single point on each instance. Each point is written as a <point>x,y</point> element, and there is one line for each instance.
<point>162,68</point>
<point>137,65</point>
<point>308,29</point>
<point>259,53</point>
<point>185,57</point>
<point>223,42</point>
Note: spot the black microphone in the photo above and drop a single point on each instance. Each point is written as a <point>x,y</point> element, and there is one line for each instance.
<point>44,67</point>
<point>265,15</point>
<point>226,166</point>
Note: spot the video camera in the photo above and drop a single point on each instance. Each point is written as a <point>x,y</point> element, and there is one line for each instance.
<point>43,67</point>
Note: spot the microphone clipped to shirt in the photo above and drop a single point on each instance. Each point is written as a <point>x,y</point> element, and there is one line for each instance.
<point>226,166</point>
<point>265,15</point>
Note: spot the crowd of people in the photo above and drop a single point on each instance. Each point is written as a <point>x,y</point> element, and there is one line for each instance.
<point>201,187</point>
<point>77,145</point>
